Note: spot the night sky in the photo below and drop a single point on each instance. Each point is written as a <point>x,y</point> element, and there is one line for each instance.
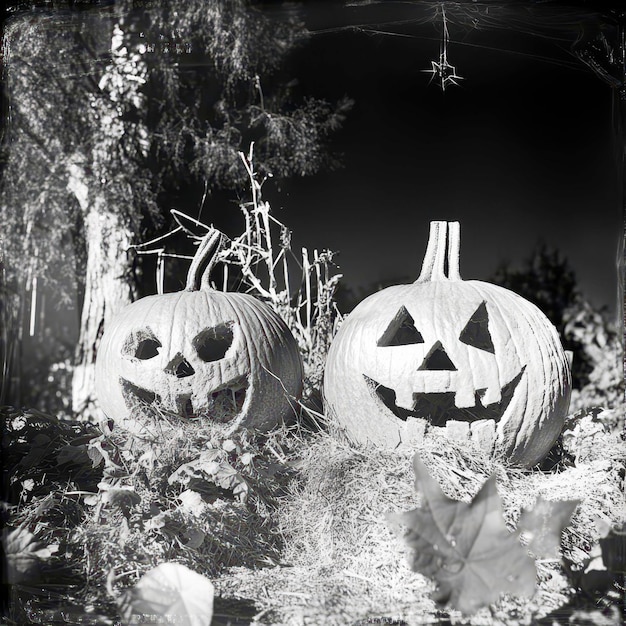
<point>521,152</point>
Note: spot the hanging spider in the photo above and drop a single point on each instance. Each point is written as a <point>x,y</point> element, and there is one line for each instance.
<point>442,70</point>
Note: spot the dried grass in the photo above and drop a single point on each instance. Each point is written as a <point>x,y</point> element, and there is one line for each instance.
<point>310,545</point>
<point>341,563</point>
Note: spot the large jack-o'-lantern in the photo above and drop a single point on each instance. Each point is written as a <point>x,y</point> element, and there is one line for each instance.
<point>464,356</point>
<point>227,357</point>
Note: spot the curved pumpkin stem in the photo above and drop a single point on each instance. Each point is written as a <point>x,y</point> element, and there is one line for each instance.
<point>444,244</point>
<point>205,257</point>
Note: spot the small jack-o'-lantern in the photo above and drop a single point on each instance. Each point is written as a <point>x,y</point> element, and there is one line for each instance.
<point>466,356</point>
<point>200,352</point>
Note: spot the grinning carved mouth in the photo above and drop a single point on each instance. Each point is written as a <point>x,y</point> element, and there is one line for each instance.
<point>438,408</point>
<point>220,405</point>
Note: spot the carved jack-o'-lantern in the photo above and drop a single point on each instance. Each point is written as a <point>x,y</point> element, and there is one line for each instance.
<point>199,352</point>
<point>466,356</point>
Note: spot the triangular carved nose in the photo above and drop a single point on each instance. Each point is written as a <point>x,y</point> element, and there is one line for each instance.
<point>179,367</point>
<point>437,359</point>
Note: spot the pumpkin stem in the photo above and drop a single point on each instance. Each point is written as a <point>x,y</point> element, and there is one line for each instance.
<point>204,261</point>
<point>454,250</point>
<point>444,244</point>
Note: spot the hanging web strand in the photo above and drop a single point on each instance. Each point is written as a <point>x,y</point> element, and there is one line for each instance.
<point>445,37</point>
<point>445,72</point>
<point>444,245</point>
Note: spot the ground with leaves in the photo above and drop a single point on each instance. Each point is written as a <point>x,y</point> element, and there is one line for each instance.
<point>299,528</point>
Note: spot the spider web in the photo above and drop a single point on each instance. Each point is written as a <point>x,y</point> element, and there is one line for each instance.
<point>566,29</point>
<point>442,70</point>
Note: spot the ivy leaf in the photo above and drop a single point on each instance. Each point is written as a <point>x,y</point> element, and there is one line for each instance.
<point>212,467</point>
<point>39,447</point>
<point>123,497</point>
<point>169,594</point>
<point>194,537</point>
<point>95,455</point>
<point>466,548</point>
<point>74,455</point>
<point>543,524</point>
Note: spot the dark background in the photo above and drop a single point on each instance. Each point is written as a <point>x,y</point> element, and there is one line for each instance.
<point>525,150</point>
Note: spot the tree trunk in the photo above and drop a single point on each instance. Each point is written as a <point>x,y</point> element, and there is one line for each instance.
<point>108,287</point>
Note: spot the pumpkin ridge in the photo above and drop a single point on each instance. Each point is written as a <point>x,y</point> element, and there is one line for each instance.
<point>252,315</point>
<point>542,331</point>
<point>274,322</point>
<point>228,301</point>
<point>176,305</point>
<point>549,358</point>
<point>269,323</point>
<point>214,301</point>
<point>519,423</point>
<point>479,292</point>
<point>546,329</point>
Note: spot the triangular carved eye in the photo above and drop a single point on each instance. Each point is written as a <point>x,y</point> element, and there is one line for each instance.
<point>401,331</point>
<point>476,332</point>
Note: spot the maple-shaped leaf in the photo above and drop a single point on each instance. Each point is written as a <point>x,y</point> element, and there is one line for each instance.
<point>466,548</point>
<point>543,525</point>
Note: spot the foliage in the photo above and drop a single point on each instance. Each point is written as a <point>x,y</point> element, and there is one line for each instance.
<point>105,509</point>
<point>135,107</point>
<point>45,460</point>
<point>64,115</point>
<point>467,548</point>
<point>601,348</point>
<point>23,554</point>
<point>42,454</point>
<point>293,521</point>
<point>231,88</point>
<point>547,280</point>
<point>149,103</point>
<point>74,134</point>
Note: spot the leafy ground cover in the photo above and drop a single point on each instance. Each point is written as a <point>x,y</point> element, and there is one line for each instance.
<point>297,527</point>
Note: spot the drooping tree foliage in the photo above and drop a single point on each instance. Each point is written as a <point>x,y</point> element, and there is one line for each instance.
<point>114,112</point>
